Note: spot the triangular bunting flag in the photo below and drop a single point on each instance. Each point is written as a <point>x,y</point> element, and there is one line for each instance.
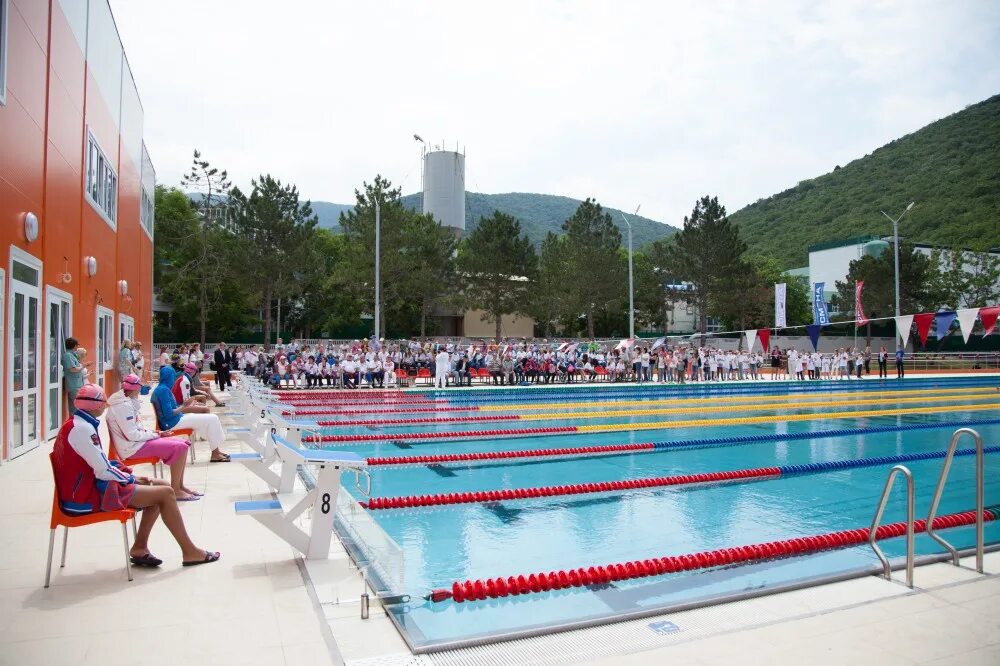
<point>966,320</point>
<point>751,334</point>
<point>944,320</point>
<point>924,321</point>
<point>989,318</point>
<point>659,343</point>
<point>903,325</point>
<point>813,330</point>
<point>765,339</point>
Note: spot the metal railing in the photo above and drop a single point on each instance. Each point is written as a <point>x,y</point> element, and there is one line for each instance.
<point>889,482</point>
<point>945,469</point>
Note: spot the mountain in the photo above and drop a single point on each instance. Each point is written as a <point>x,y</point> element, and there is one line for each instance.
<point>951,168</point>
<point>538,214</point>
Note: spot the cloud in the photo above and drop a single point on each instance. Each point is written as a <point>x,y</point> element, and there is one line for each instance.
<point>633,102</point>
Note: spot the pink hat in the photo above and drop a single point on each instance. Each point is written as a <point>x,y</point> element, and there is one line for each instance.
<point>190,367</point>
<point>90,396</point>
<point>131,383</point>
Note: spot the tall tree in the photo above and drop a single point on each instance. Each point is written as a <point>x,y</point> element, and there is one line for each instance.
<point>916,280</point>
<point>275,234</point>
<point>210,263</point>
<point>549,300</point>
<point>593,265</point>
<point>498,265</point>
<point>429,254</point>
<point>965,279</point>
<point>323,308</point>
<point>707,253</point>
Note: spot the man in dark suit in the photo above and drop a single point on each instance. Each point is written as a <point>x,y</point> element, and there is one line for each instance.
<point>224,361</point>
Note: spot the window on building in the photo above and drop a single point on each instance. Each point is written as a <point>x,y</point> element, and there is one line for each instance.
<point>146,212</point>
<point>3,51</point>
<point>102,182</point>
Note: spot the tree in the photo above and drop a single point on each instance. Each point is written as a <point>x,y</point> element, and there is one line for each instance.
<point>498,265</point>
<point>593,266</point>
<point>707,253</point>
<point>748,302</point>
<point>548,303</point>
<point>965,279</point>
<point>209,261</point>
<point>917,275</point>
<point>322,306</point>
<point>275,234</point>
<point>429,255</point>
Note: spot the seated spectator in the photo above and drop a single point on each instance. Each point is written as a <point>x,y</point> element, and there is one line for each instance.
<point>131,438</point>
<point>187,415</point>
<point>182,388</point>
<point>86,482</point>
<point>350,372</point>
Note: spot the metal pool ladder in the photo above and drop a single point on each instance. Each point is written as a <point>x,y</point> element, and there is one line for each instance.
<point>886,570</point>
<point>945,468</point>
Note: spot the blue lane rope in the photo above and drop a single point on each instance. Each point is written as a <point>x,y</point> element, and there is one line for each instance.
<point>813,468</point>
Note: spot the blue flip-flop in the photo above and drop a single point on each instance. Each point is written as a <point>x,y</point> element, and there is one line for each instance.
<point>209,558</point>
<point>192,498</point>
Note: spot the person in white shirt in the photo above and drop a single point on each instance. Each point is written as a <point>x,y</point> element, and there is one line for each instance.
<point>350,372</point>
<point>442,365</point>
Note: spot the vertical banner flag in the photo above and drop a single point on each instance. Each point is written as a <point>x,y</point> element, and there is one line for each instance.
<point>859,312</point>
<point>765,338</point>
<point>944,320</point>
<point>966,320</point>
<point>780,317</point>
<point>820,315</point>
<point>903,325</point>
<point>989,318</point>
<point>924,321</point>
<point>813,330</point>
<point>751,334</point>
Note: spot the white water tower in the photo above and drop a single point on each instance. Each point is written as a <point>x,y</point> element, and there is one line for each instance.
<point>444,187</point>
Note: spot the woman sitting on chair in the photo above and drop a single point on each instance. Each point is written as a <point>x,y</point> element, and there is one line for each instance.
<point>198,418</point>
<point>86,481</point>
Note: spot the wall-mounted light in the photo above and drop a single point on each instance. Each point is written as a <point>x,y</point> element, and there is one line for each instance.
<point>90,266</point>
<point>30,227</point>
<point>123,287</point>
<point>65,277</point>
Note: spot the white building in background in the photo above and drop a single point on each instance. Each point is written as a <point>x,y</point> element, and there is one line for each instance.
<point>444,188</point>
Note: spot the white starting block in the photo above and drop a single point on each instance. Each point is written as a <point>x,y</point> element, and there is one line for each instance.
<point>314,544</point>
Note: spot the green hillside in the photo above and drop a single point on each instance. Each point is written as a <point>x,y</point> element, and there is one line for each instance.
<point>538,214</point>
<point>951,168</point>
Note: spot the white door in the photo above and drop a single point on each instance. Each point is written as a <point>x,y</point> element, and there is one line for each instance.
<point>105,352</point>
<point>59,318</point>
<point>3,328</point>
<point>24,351</point>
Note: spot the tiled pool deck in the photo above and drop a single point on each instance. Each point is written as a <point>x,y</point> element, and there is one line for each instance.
<point>263,604</point>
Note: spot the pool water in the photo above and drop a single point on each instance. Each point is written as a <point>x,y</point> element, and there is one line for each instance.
<point>444,544</point>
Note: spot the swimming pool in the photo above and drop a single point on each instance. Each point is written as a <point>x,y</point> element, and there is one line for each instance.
<point>753,427</point>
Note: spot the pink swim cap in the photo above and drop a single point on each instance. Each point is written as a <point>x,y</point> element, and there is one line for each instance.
<point>190,367</point>
<point>131,383</point>
<point>90,396</point>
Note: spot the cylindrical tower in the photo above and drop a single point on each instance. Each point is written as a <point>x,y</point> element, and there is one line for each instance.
<point>444,188</point>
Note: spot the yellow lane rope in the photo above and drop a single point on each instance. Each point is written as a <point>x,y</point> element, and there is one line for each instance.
<point>777,418</point>
<point>583,406</point>
<point>549,416</point>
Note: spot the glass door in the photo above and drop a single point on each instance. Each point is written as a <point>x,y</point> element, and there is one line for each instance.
<point>25,389</point>
<point>58,307</point>
<point>104,354</point>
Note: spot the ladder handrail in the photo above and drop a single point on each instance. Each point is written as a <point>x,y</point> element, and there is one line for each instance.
<point>889,482</point>
<point>943,478</point>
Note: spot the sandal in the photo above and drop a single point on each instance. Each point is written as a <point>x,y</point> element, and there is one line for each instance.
<point>189,498</point>
<point>222,458</point>
<point>209,558</point>
<point>147,560</point>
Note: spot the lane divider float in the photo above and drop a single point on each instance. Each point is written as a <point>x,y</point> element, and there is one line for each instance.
<point>759,473</point>
<point>476,590</point>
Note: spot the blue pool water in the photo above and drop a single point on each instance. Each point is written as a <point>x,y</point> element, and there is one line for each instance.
<point>471,541</point>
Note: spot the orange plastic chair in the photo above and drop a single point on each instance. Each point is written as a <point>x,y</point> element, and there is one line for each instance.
<point>178,432</point>
<point>134,460</point>
<point>423,373</point>
<point>66,521</point>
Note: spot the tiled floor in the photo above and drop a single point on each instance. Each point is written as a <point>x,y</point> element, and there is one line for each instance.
<point>254,606</point>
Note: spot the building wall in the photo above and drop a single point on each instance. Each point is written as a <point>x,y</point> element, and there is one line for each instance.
<point>66,76</point>
<point>474,326</point>
<point>831,265</point>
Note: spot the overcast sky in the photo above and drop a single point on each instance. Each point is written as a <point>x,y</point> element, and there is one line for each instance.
<point>655,103</point>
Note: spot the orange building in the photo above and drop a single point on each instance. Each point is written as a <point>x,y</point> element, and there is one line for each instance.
<point>76,218</point>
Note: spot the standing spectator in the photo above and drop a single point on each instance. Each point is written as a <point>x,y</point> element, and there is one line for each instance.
<point>223,364</point>
<point>163,360</point>
<point>900,357</point>
<point>74,372</point>
<point>138,362</point>
<point>883,361</point>
<point>442,364</point>
<point>124,365</point>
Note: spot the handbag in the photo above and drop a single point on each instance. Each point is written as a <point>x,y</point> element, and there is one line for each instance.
<point>211,365</point>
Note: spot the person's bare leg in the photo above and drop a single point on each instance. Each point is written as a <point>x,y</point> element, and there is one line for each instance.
<point>177,478</point>
<point>162,497</point>
<point>146,522</point>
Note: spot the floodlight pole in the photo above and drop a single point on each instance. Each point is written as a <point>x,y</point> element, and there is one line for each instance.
<point>378,262</point>
<point>895,250</point>
<point>631,298</point>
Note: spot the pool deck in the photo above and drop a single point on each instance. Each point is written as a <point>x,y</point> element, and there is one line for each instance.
<point>263,604</point>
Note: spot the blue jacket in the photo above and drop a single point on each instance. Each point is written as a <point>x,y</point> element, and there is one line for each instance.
<point>163,399</point>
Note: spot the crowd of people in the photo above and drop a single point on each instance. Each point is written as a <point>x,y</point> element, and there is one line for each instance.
<point>375,363</point>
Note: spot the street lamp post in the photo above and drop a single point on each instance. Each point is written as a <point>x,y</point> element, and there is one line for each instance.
<point>631,299</point>
<point>378,267</point>
<point>895,250</point>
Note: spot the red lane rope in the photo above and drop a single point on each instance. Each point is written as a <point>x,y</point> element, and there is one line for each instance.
<point>422,419</point>
<point>381,437</point>
<point>475,590</point>
<point>574,489</point>
<point>501,455</point>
